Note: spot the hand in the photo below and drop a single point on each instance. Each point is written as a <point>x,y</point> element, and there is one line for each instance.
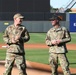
<point>13,40</point>
<point>54,42</point>
<point>58,41</point>
<point>17,37</point>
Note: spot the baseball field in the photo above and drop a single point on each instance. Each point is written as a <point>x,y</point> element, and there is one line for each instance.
<point>37,51</point>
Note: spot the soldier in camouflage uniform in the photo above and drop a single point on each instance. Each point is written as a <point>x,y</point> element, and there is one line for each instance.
<point>56,39</point>
<point>15,35</point>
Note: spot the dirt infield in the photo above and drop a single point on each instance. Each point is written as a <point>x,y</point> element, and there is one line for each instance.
<point>37,46</point>
<point>34,68</point>
<point>31,69</point>
<point>69,46</point>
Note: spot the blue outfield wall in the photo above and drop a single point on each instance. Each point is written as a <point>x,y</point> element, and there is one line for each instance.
<point>72,21</point>
<point>44,26</point>
<point>33,26</point>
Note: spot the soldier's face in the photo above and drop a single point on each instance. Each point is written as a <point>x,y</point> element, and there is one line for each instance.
<point>18,20</point>
<point>54,22</point>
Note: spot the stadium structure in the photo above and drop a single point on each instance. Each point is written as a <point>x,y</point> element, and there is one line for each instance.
<point>36,12</point>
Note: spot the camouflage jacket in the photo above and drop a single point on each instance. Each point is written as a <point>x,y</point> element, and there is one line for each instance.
<point>11,32</point>
<point>60,33</point>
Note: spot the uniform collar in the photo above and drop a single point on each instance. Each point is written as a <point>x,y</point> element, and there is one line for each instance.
<point>57,29</point>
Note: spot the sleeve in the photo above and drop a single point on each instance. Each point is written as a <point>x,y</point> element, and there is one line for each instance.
<point>25,36</point>
<point>67,37</point>
<point>6,37</point>
<point>48,40</point>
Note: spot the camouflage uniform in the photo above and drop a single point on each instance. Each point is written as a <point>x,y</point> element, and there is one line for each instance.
<point>15,51</point>
<point>58,51</point>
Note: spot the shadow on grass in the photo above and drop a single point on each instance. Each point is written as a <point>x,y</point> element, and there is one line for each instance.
<point>73,74</point>
<point>72,63</point>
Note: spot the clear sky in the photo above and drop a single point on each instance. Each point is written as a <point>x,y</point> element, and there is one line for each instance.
<point>60,3</point>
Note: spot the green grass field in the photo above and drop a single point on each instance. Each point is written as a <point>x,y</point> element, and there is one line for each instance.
<point>40,38</point>
<point>41,55</point>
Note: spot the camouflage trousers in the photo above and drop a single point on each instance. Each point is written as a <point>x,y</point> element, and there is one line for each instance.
<point>19,60</point>
<point>53,59</point>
